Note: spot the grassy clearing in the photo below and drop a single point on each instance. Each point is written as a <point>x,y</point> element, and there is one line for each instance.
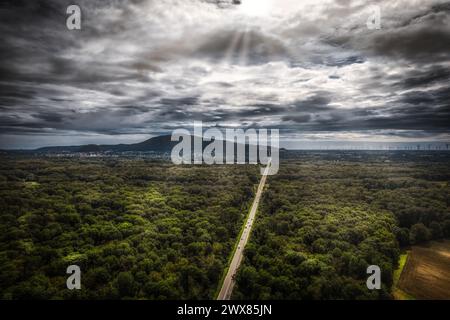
<point>398,293</point>
<point>401,265</point>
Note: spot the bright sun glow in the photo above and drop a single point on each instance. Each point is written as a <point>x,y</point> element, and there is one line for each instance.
<point>257,7</point>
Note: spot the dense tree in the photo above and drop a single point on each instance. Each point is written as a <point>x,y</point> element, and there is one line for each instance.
<point>419,233</point>
<point>147,229</point>
<point>436,230</point>
<point>125,284</point>
<point>324,221</point>
<point>137,228</point>
<point>446,228</point>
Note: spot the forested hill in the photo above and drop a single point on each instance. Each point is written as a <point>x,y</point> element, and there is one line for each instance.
<point>157,144</point>
<point>160,145</point>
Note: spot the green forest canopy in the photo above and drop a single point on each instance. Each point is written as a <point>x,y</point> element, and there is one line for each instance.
<point>146,229</point>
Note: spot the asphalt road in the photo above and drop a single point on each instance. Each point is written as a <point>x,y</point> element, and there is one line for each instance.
<point>228,283</point>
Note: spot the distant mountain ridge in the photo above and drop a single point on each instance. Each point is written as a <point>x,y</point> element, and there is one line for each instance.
<point>159,144</point>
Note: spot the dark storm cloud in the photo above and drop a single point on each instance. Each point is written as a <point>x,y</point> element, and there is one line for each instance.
<point>427,110</point>
<point>142,66</point>
<point>418,98</point>
<point>422,38</point>
<point>175,102</point>
<point>241,114</point>
<point>425,76</point>
<point>318,102</point>
<point>36,43</point>
<point>339,61</point>
<point>305,118</point>
<point>434,9</point>
<point>396,120</point>
<point>49,117</point>
<point>415,45</point>
<point>432,98</point>
<point>9,91</point>
<point>29,34</point>
<point>260,48</point>
<point>103,121</point>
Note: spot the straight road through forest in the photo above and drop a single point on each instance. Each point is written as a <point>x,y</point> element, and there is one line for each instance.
<point>228,283</point>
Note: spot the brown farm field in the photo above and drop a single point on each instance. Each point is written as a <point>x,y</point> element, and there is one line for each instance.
<point>426,274</point>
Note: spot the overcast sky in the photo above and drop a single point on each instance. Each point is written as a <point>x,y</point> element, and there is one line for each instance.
<point>145,67</point>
